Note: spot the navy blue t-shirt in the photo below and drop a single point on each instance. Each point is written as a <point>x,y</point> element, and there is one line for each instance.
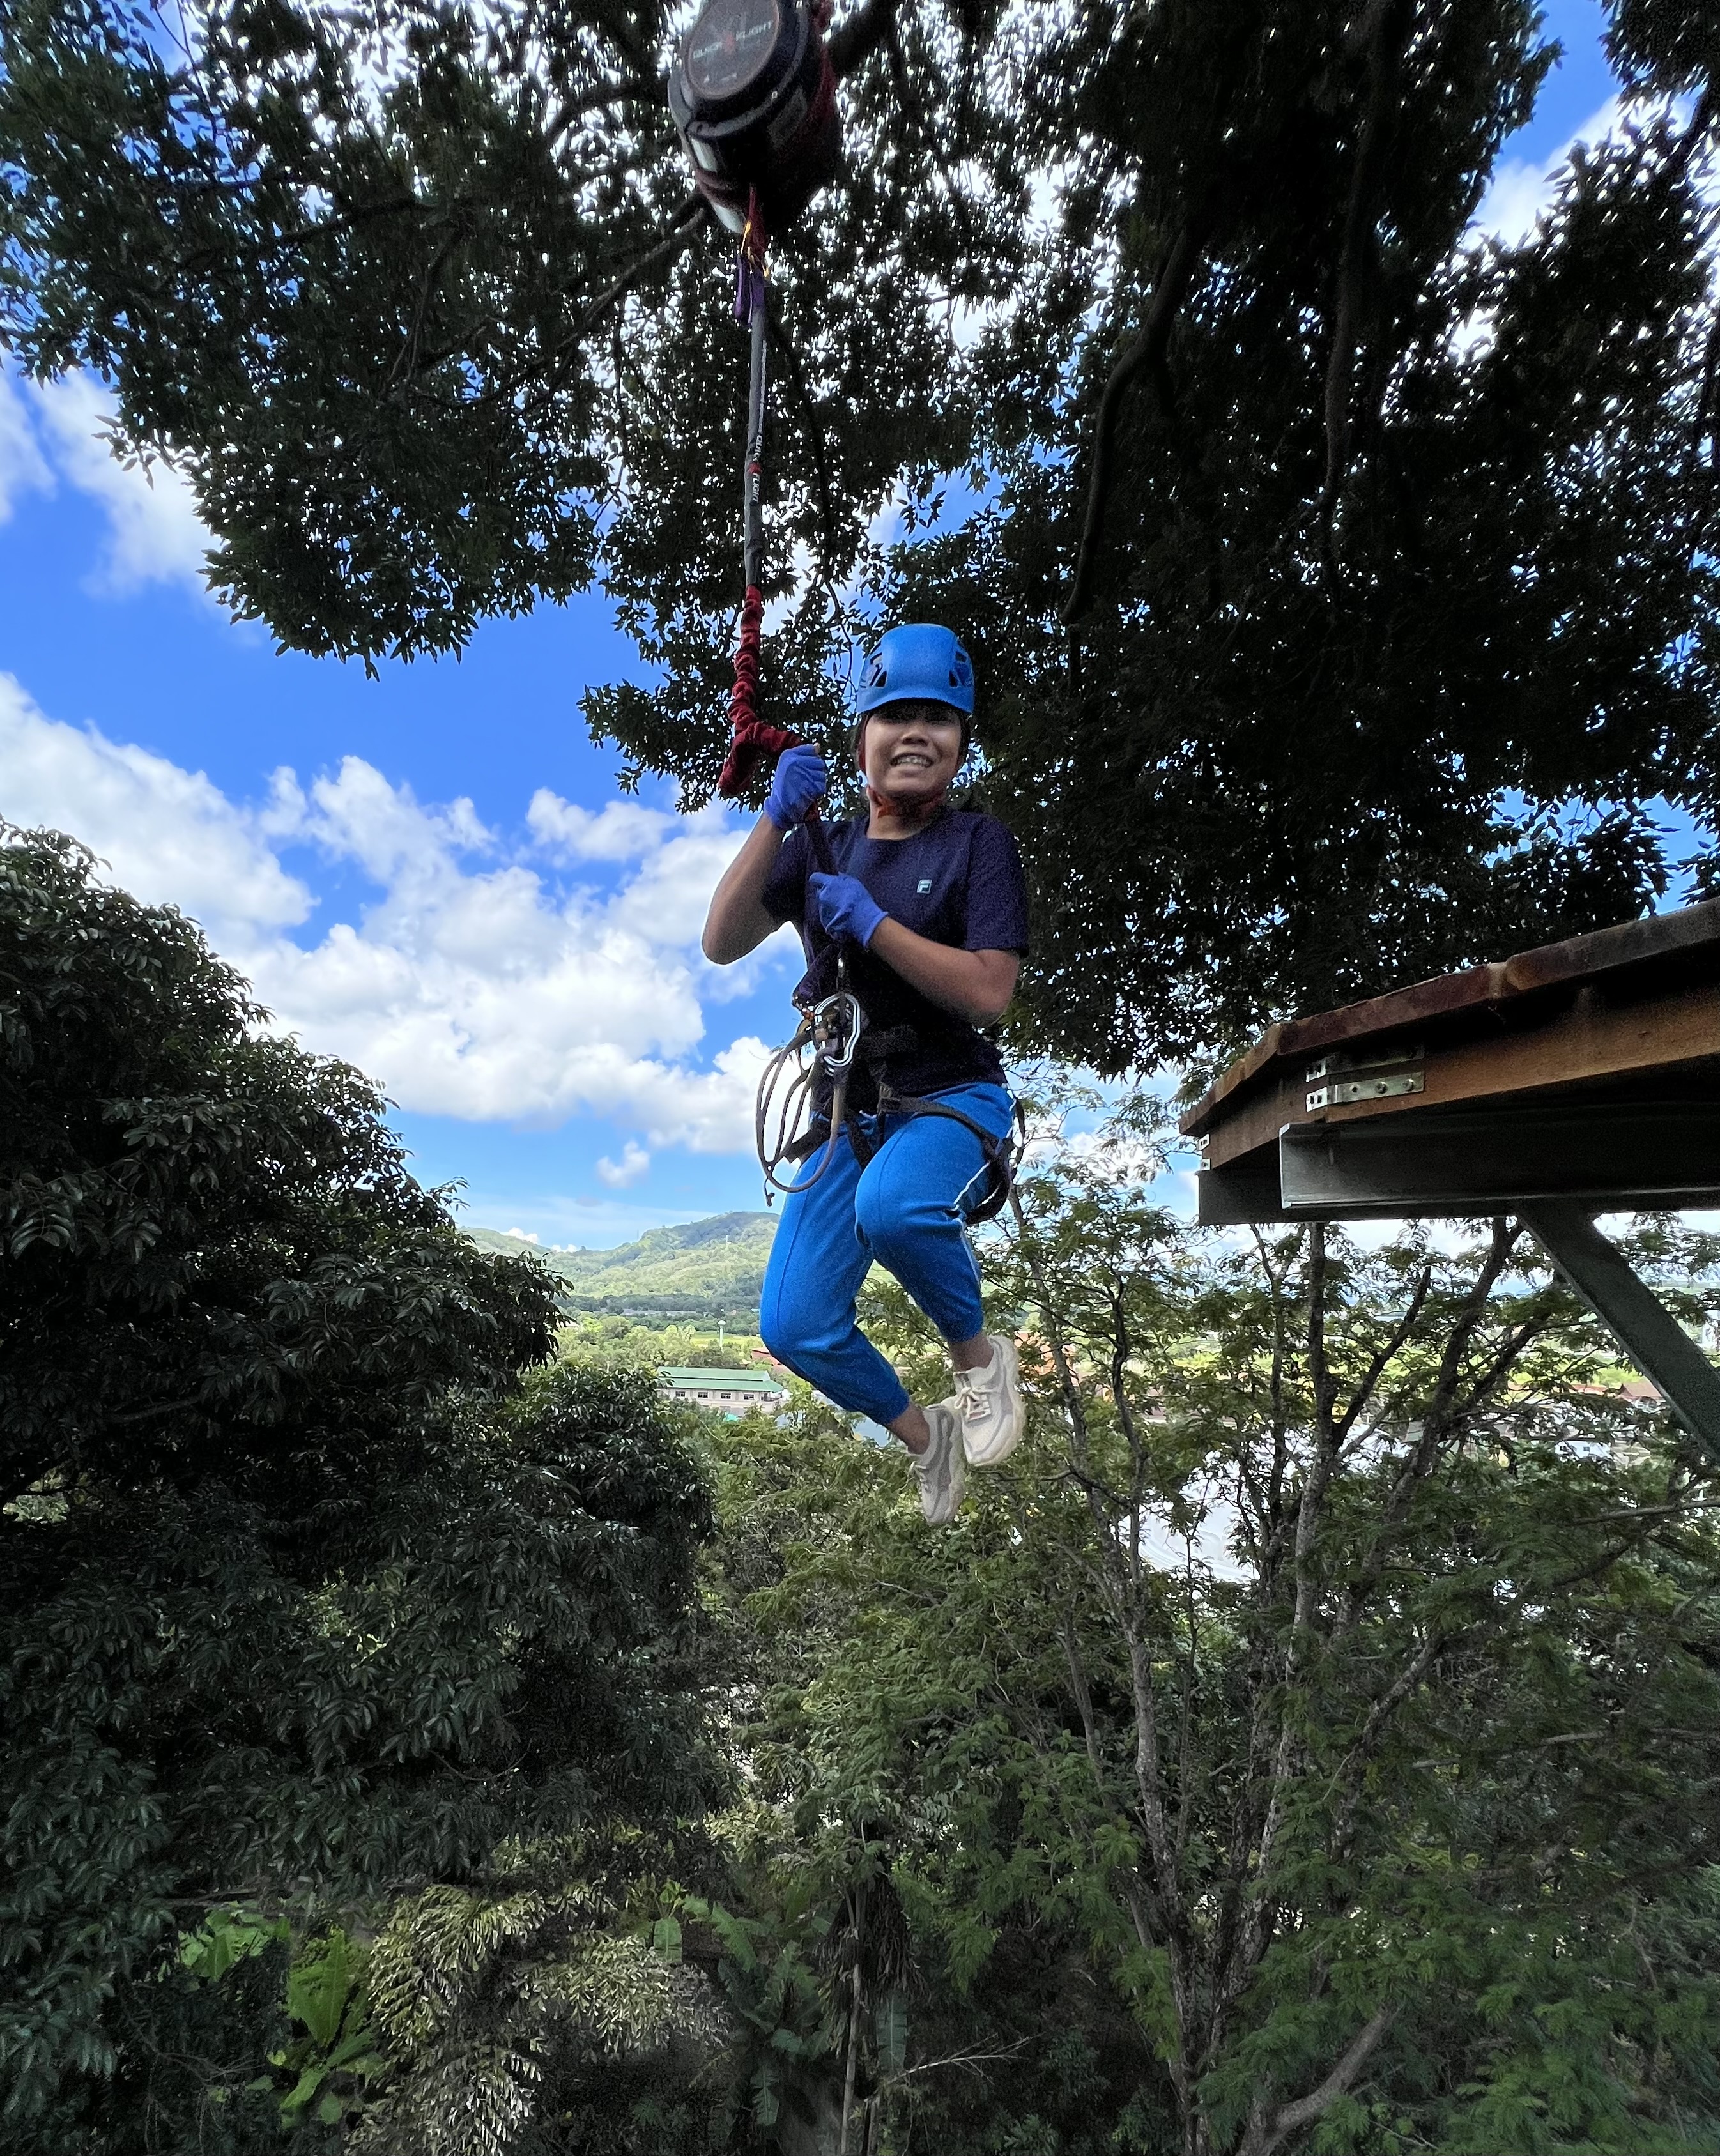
<point>957,881</point>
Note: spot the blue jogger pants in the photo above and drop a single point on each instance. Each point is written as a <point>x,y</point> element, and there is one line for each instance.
<point>907,1208</point>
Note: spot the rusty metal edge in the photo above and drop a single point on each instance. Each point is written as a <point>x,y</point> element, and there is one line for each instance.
<point>1548,965</point>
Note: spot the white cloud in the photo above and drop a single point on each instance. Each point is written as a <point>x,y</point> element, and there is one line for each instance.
<point>712,1110</point>
<point>358,816</point>
<point>1521,191</point>
<point>620,831</point>
<point>155,535</point>
<point>23,469</point>
<point>668,896</point>
<point>170,835</point>
<point>473,985</point>
<point>632,1165</point>
<point>521,1233</point>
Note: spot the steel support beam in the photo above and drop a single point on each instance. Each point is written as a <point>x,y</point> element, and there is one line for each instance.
<point>1612,1157</point>
<point>1493,1159</point>
<point>1636,1317</point>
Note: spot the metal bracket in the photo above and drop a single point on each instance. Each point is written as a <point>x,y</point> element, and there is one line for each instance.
<point>1343,1091</point>
<point>1634,1314</point>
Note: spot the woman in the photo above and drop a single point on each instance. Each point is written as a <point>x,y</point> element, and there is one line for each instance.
<point>930,905</point>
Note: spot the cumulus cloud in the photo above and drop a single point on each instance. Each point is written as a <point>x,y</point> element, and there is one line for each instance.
<point>473,985</point>
<point>358,815</point>
<point>620,831</point>
<point>154,533</point>
<point>23,469</point>
<point>1521,190</point>
<point>168,834</point>
<point>632,1165</point>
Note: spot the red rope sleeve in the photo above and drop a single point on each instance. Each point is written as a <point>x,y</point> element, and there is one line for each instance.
<point>754,738</point>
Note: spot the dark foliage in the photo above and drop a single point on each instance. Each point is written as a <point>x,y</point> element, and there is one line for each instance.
<point>303,1600</point>
<point>214,1258</point>
<point>1394,607</point>
<point>1305,1743</point>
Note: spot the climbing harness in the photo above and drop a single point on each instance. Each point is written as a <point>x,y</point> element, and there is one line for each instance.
<point>753,97</point>
<point>790,1126</point>
<point>1003,1156</point>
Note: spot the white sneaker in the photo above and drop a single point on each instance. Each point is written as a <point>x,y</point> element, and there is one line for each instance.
<point>939,1469</point>
<point>988,1402</point>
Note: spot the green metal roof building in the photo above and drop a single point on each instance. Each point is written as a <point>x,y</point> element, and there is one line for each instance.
<point>727,1392</point>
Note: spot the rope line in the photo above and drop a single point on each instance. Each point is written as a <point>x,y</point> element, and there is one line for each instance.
<point>752,739</point>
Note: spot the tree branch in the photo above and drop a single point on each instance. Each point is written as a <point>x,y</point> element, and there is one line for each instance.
<point>1176,273</point>
<point>690,214</point>
<point>643,90</point>
<point>1072,1403</point>
<point>1387,1705</point>
<point>861,36</point>
<point>1400,1333</point>
<point>1426,1450</point>
<point>1356,261</point>
<point>1084,1704</point>
<point>1263,2136</point>
<point>783,345</point>
<point>912,106</point>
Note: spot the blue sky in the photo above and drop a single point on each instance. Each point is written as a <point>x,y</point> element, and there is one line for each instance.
<point>431,873</point>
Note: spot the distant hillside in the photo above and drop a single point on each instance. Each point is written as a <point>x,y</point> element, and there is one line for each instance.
<point>703,1268</point>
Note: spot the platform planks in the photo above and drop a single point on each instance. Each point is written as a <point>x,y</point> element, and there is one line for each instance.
<point>1579,1078</point>
<point>1598,1013</point>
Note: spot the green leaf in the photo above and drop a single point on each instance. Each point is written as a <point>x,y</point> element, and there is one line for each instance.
<point>891,2024</point>
<point>308,2083</point>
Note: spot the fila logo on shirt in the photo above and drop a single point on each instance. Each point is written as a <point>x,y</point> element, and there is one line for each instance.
<point>923,886</point>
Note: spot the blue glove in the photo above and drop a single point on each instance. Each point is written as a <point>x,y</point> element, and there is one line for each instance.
<point>845,906</point>
<point>801,779</point>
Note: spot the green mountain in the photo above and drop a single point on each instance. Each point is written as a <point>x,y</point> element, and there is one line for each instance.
<point>702,1268</point>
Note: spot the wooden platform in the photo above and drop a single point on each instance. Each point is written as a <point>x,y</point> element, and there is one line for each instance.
<point>1587,1069</point>
<point>1580,1078</point>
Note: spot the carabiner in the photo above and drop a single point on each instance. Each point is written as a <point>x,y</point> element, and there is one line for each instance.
<point>837,1024</point>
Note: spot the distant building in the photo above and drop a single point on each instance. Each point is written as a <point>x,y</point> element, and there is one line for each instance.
<point>727,1392</point>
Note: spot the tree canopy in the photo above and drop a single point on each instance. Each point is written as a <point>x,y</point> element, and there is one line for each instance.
<point>1303,1743</point>
<point>1296,1745</point>
<point>304,1597</point>
<point>1343,581</point>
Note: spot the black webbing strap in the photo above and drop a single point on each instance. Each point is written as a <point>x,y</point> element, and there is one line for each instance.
<point>1001,1153</point>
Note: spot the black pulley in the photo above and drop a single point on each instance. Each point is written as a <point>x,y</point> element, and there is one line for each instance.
<point>754,99</point>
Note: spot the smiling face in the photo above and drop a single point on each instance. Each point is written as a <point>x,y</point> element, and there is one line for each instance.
<point>910,752</point>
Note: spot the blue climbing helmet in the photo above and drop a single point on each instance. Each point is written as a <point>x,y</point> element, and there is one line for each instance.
<point>918,659</point>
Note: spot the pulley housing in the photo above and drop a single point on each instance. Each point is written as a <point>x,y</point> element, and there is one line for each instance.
<point>753,97</point>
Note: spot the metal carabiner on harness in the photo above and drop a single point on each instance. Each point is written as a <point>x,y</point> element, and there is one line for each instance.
<point>837,1024</point>
<point>784,1124</point>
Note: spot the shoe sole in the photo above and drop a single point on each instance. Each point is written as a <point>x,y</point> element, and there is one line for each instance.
<point>990,1456</point>
<point>958,1487</point>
